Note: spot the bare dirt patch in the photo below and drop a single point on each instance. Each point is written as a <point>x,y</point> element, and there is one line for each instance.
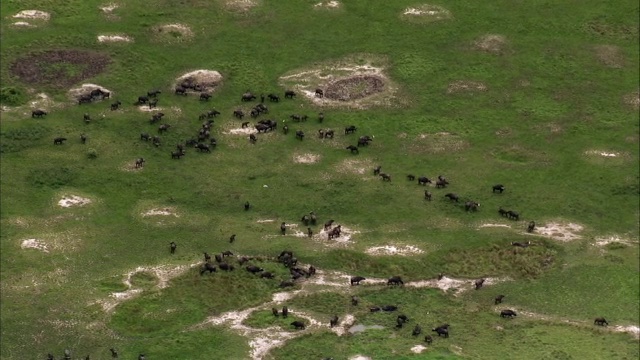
<point>610,56</point>
<point>240,5</point>
<point>241,131</point>
<point>402,250</point>
<point>425,13</point>
<point>560,231</point>
<point>73,200</point>
<point>34,244</point>
<point>466,86</point>
<point>632,100</point>
<point>418,349</point>
<point>356,167</point>
<point>436,143</point>
<point>603,241</point>
<point>23,24</point>
<point>160,212</point>
<point>85,90</point>
<point>491,43</point>
<point>306,158</point>
<point>108,11</point>
<point>607,154</point>
<point>359,357</point>
<point>59,68</point>
<point>114,38</point>
<point>33,15</point>
<point>332,4</point>
<point>489,225</point>
<point>172,32</point>
<point>356,81</point>
<point>208,80</point>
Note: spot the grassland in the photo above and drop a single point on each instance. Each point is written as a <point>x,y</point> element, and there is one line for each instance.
<point>527,94</point>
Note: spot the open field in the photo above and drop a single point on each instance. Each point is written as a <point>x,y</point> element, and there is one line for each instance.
<point>540,97</point>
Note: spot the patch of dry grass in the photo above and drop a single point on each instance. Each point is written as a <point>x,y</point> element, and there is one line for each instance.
<point>491,43</point>
<point>436,143</point>
<point>610,56</point>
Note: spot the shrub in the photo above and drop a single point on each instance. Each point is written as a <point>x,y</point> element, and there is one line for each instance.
<point>12,96</point>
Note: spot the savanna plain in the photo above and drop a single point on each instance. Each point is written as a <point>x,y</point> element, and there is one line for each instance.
<point>541,97</point>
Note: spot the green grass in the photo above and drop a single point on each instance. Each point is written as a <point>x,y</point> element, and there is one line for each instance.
<point>549,99</point>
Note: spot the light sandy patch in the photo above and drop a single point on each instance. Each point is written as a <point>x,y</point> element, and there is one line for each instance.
<point>492,43</point>
<point>333,4</point>
<point>22,24</point>
<point>559,231</point>
<point>86,89</point>
<point>306,158</point>
<point>108,8</point>
<point>160,212</point>
<point>603,241</point>
<point>418,349</point>
<point>209,80</point>
<point>602,153</point>
<point>356,167</point>
<point>241,131</point>
<point>436,143</point>
<point>403,250</point>
<point>73,200</point>
<point>458,286</point>
<point>240,5</point>
<point>345,238</point>
<point>146,108</point>
<point>493,225</point>
<point>114,38</point>
<point>610,56</point>
<point>34,244</point>
<point>465,86</point>
<point>632,100</point>
<point>426,13</point>
<point>344,324</point>
<point>130,166</point>
<point>356,81</point>
<point>32,14</point>
<point>265,221</point>
<point>456,350</point>
<point>173,32</point>
<point>359,357</point>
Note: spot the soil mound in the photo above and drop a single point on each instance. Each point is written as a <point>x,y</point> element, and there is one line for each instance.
<point>199,81</point>
<point>85,90</point>
<point>353,88</point>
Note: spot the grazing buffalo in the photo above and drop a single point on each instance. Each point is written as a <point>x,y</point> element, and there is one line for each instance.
<point>207,267</point>
<point>59,140</point>
<point>142,100</point>
<point>320,117</point>
<point>273,97</point>
<point>156,117</point>
<point>205,97</point>
<point>84,99</point>
<point>248,97</point>
<point>86,117</point>
<point>499,188</point>
<point>376,170</point>
<point>177,154</point>
<point>374,309</point>
<point>153,103</point>
<point>416,330</point>
<point>452,197</point>
<point>319,92</point>
<point>353,149</point>
<point>350,129</point>
<point>274,311</point>
<point>283,228</point>
<point>498,299</point>
<point>305,219</point>
<point>226,267</point>
<point>385,177</point>
<point>441,184</point>
<point>354,300</point>
<point>180,91</point>
<point>502,212</point>
<point>328,224</point>
<point>442,331</point>
<point>156,141</point>
<point>508,313</point>
<point>139,163</point>
<point>172,247</point>
<point>364,140</point>
<point>247,205</point>
<point>471,206</point>
<point>207,257</point>
<point>395,280</point>
<point>478,283</point>
<point>399,323</point>
<point>328,134</point>
<point>38,113</point>
<point>411,177</point>
<point>309,232</point>
<point>153,93</point>
<point>245,124</point>
<point>285,311</point>
<point>238,113</point>
<point>389,308</point>
<point>428,339</point>
<point>289,94</point>
<point>115,105</point>
<point>423,180</point>
<point>300,134</point>
<point>252,139</point>
<point>298,325</point>
<point>114,353</point>
<point>600,321</point>
<point>334,321</point>
<point>267,275</point>
<point>355,280</point>
<point>286,283</point>
<point>254,269</point>
<point>440,276</point>
<point>312,271</point>
<point>518,244</point>
<point>403,318</point>
<point>226,253</point>
<point>513,215</point>
<point>203,147</point>
<point>218,258</point>
<point>83,138</point>
<point>531,226</point>
<point>427,195</point>
<point>232,238</point>
<point>164,127</point>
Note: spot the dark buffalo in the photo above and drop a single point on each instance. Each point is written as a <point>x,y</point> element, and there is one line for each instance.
<point>478,283</point>
<point>116,105</point>
<point>499,188</point>
<point>139,163</point>
<point>471,206</point>
<point>205,97</point>
<point>84,99</point>
<point>273,97</point>
<point>513,215</point>
<point>319,92</point>
<point>518,244</point>
<point>274,311</point>
<point>427,195</point>
<point>254,269</point>
<point>376,170</point>
<point>83,138</point>
<point>350,129</point>
<point>498,299</point>
<point>600,321</point>
<point>59,140</point>
<point>416,330</point>
<point>180,91</point>
<point>177,154</point>
<point>334,321</point>
<point>248,97</point>
<point>444,332</point>
<point>355,280</point>
<point>38,113</point>
<point>385,177</point>
<point>267,275</point>
<point>423,180</point>
<point>452,197</point>
<point>172,247</point>
<point>289,94</point>
<point>286,283</point>
<point>428,339</point>
<point>226,267</point>
<point>153,93</point>
<point>285,311</point>
<point>353,149</point>
<point>300,134</point>
<point>354,300</point>
<point>508,313</point>
<point>374,309</point>
<point>142,100</point>
<point>389,308</point>
<point>531,226</point>
<point>395,280</point>
<point>298,325</point>
<point>207,267</point>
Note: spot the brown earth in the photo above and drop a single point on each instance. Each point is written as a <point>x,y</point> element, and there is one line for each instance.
<point>59,68</point>
<point>356,87</point>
